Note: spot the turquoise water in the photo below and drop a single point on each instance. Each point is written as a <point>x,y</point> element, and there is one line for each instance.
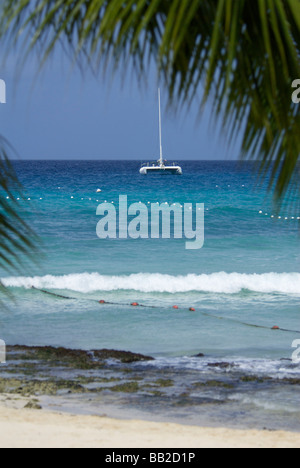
<point>246,273</point>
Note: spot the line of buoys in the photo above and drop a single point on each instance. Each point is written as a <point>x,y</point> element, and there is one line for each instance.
<point>285,218</point>
<point>176,307</point>
<point>72,197</point>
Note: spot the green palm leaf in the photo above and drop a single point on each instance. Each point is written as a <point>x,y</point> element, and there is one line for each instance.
<point>18,243</point>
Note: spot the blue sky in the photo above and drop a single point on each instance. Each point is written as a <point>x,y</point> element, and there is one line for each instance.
<point>58,114</point>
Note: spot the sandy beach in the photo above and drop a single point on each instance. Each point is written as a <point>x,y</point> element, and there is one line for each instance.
<point>26,428</point>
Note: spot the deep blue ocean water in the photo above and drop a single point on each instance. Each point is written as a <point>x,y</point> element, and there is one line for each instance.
<point>248,270</point>
<point>247,273</point>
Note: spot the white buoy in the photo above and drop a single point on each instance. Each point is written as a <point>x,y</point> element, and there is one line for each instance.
<point>99,190</point>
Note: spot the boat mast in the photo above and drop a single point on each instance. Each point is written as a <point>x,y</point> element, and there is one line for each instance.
<point>160,135</point>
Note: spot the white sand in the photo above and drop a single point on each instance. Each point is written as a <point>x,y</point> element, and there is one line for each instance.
<point>23,428</point>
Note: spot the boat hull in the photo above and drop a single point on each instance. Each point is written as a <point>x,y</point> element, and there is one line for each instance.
<point>171,170</point>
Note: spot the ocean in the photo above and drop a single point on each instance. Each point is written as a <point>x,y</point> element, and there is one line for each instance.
<point>242,283</point>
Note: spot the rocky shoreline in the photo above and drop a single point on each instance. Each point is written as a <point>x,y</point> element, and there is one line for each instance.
<point>103,377</point>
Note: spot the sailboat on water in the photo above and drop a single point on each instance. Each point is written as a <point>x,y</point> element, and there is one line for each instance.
<point>161,166</point>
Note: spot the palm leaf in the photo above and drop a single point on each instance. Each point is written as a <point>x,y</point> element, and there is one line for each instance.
<point>18,243</point>
<point>241,56</point>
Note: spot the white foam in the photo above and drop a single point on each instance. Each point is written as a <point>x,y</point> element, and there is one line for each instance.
<point>237,365</point>
<point>227,283</point>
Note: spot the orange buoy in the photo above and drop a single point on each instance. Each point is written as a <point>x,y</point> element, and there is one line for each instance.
<point>175,307</point>
<point>275,328</point>
<point>102,302</point>
<point>135,304</point>
<point>191,309</point>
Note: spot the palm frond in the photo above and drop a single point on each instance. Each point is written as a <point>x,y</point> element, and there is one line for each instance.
<point>18,243</point>
<point>241,55</point>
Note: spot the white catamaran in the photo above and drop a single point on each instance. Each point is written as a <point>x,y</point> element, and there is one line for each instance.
<point>161,166</point>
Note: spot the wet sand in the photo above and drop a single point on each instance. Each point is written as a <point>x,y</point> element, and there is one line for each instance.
<point>27,428</point>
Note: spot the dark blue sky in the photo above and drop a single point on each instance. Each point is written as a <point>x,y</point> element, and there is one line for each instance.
<point>58,114</point>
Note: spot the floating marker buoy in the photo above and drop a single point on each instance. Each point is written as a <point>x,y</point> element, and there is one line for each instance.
<point>102,302</point>
<point>175,307</point>
<point>99,190</point>
<point>275,328</point>
<point>191,309</point>
<point>135,304</point>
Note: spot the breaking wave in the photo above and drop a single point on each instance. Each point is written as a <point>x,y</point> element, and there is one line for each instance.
<point>227,283</point>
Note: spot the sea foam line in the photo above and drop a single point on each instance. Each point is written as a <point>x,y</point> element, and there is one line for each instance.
<point>228,283</point>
